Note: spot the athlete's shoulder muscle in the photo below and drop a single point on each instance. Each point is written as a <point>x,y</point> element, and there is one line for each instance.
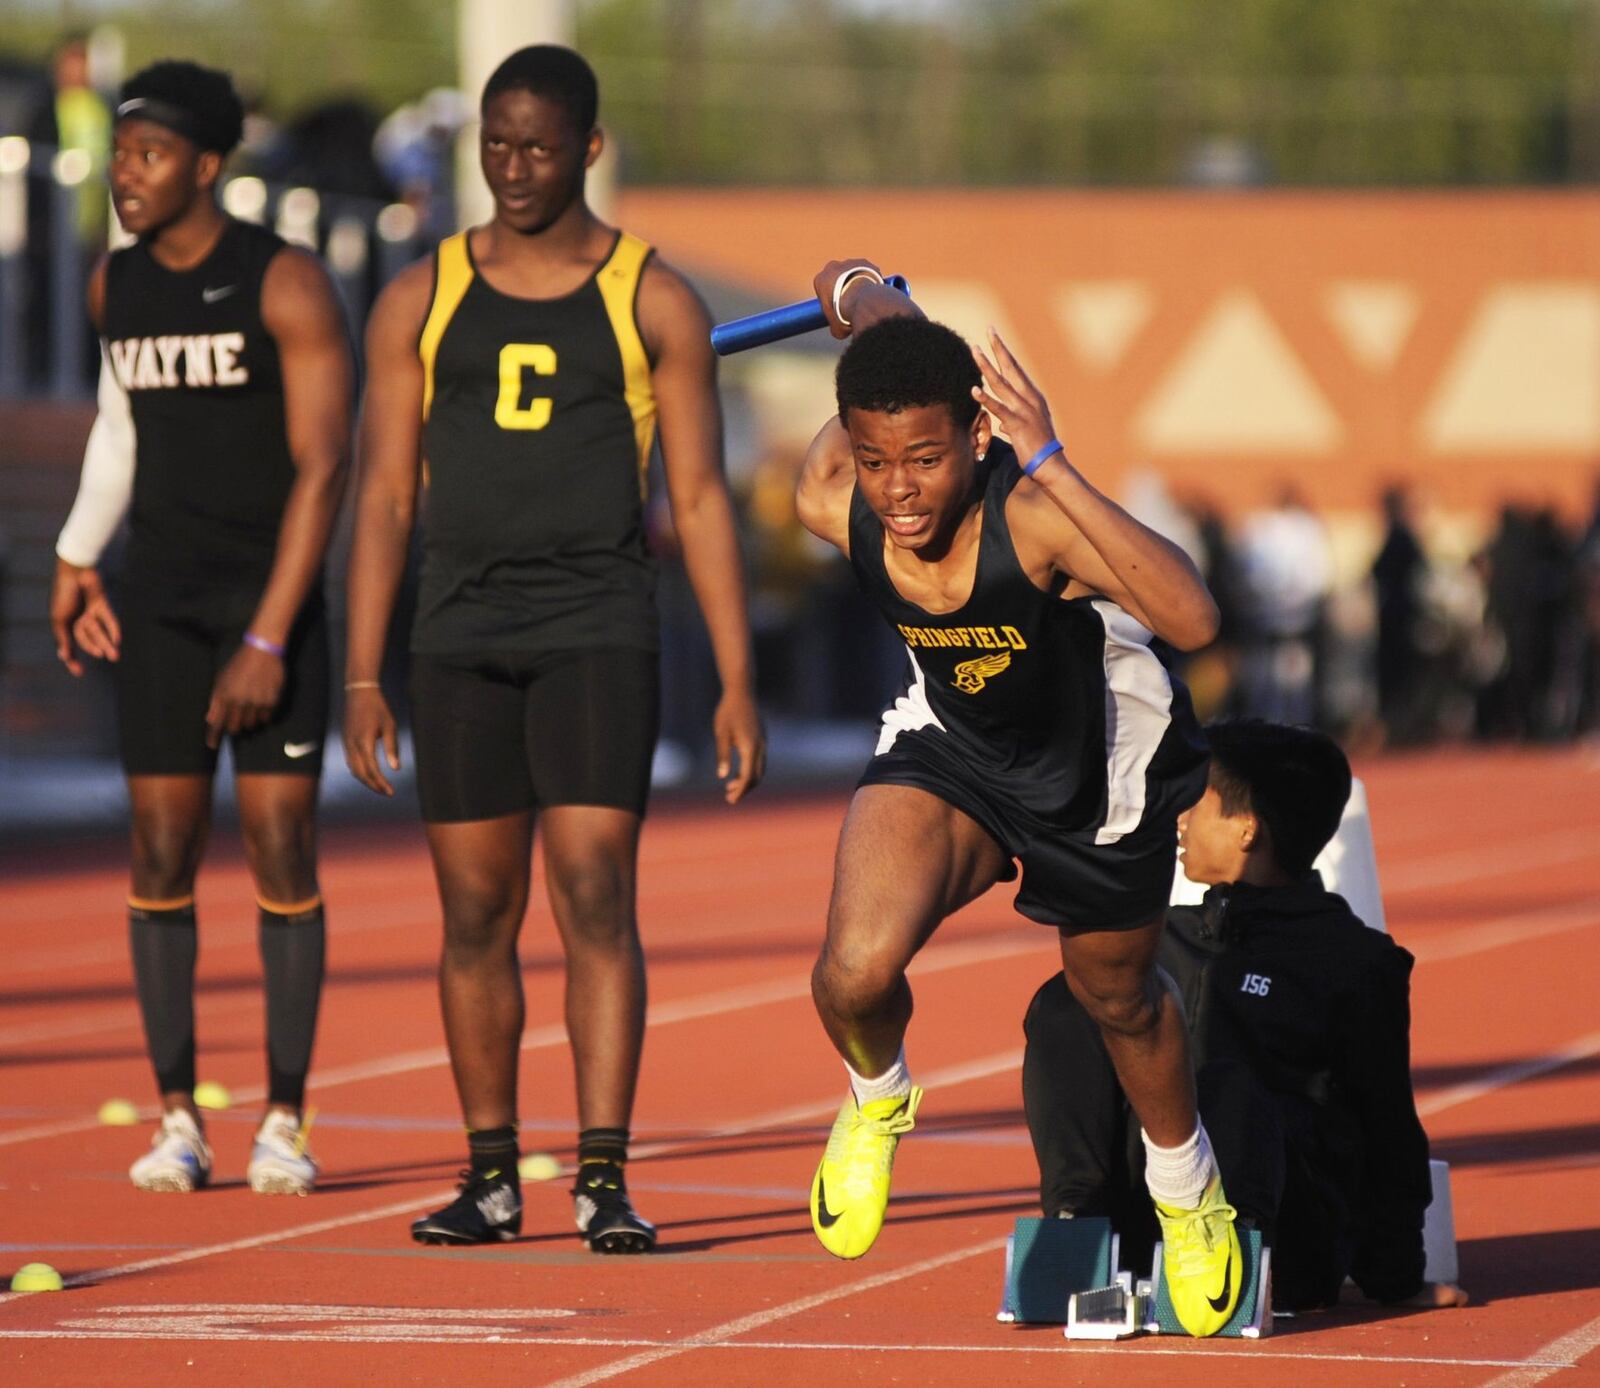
<point>298,298</point>
<point>827,482</point>
<point>400,311</point>
<point>1043,538</point>
<point>671,314</point>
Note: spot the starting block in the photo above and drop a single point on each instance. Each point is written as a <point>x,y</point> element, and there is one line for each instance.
<point>1109,1313</point>
<point>1252,1319</point>
<point>1048,1260</point>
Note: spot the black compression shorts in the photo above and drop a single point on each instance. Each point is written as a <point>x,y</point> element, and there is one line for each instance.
<point>498,735</point>
<point>1068,880</point>
<point>172,652</point>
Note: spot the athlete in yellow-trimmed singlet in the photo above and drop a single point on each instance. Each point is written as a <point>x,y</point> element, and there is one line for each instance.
<point>539,420</point>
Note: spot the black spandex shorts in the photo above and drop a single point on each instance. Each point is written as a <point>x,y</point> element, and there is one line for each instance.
<point>497,735</point>
<point>172,652</point>
<point>1068,880</point>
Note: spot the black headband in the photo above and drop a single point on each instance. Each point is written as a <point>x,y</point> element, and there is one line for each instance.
<point>174,117</point>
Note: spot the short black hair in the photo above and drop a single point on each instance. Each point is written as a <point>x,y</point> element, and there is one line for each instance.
<point>902,363</point>
<point>1294,780</point>
<point>197,102</point>
<point>553,72</point>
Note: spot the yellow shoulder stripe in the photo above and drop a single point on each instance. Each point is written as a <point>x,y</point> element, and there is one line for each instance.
<point>619,287</point>
<point>453,276</point>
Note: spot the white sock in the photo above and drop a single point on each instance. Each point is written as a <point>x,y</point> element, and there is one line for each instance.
<point>1178,1176</point>
<point>892,1083</point>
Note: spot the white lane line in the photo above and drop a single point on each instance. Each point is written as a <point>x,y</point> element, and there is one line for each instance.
<point>948,1076</point>
<point>936,959</point>
<point>1507,1075</point>
<point>759,1319</point>
<point>732,871</point>
<point>1514,929</point>
<point>1563,1353</point>
<point>124,1018</point>
<point>1213,1349</point>
<point>1461,866</point>
<point>191,1255</point>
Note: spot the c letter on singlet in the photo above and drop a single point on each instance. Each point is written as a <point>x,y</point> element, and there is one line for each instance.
<point>515,358</point>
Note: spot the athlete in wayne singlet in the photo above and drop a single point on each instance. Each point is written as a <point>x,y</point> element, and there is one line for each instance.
<point>529,363</point>
<point>223,434</point>
<point>1037,727</point>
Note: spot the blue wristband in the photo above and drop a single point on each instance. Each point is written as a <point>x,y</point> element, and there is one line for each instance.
<point>1038,460</point>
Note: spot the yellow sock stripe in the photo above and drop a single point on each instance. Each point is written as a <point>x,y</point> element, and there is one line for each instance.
<point>619,287</point>
<point>177,903</point>
<point>290,908</point>
<point>452,278</point>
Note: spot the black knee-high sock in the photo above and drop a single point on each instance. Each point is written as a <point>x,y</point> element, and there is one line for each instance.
<point>164,943</point>
<point>293,941</point>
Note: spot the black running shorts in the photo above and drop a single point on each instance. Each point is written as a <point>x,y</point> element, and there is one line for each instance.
<point>501,734</point>
<point>174,648</point>
<point>1068,880</point>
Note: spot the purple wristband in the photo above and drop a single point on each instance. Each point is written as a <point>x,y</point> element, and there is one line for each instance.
<point>260,643</point>
<point>1038,460</point>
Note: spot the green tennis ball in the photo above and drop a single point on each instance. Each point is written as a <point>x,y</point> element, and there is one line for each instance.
<point>538,1166</point>
<point>210,1094</point>
<point>36,1277</point>
<point>118,1113</point>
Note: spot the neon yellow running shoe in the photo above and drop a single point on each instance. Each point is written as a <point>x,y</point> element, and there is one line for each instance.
<point>851,1190</point>
<point>1202,1261</point>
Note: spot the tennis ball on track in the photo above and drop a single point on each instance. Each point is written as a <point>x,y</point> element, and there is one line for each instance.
<point>36,1277</point>
<point>118,1113</point>
<point>538,1166</point>
<point>210,1094</point>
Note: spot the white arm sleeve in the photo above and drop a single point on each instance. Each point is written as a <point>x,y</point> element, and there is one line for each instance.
<point>106,485</point>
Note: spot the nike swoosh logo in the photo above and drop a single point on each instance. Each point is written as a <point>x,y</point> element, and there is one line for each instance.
<point>825,1217</point>
<point>211,296</point>
<point>1221,1299</point>
<point>297,750</point>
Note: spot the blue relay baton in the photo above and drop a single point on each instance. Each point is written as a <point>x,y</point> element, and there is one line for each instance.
<point>775,324</point>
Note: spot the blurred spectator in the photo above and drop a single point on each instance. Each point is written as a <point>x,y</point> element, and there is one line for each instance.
<point>1210,673</point>
<point>415,149</point>
<point>329,148</point>
<point>1530,584</point>
<point>82,121</point>
<point>1586,722</point>
<point>1397,576</point>
<point>261,148</point>
<point>1286,570</point>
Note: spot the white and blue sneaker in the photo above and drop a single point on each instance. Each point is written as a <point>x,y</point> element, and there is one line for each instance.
<point>178,1159</point>
<point>279,1162</point>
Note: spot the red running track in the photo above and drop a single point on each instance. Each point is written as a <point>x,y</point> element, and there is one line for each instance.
<point>1491,877</point>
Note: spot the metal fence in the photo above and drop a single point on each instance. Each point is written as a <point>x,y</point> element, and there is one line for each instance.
<point>46,340</point>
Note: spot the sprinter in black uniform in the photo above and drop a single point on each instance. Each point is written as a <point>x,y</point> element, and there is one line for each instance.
<point>521,371</point>
<point>225,415</point>
<point>1036,725</point>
